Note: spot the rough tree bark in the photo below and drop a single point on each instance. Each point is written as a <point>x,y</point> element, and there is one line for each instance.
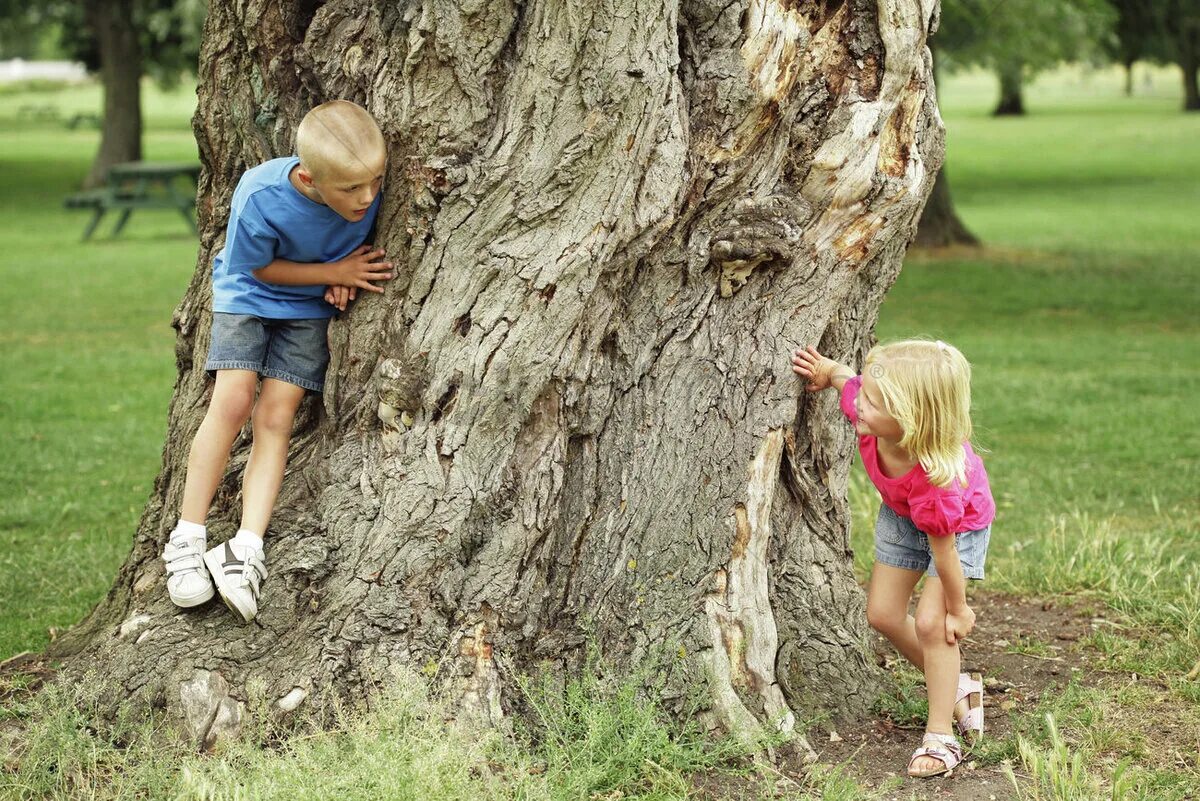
<point>571,418</point>
<point>120,57</point>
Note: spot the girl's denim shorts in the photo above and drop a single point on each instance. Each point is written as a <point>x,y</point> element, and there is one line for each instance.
<point>294,351</point>
<point>899,543</point>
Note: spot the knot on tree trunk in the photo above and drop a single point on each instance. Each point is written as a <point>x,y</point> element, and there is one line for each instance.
<point>762,231</point>
<point>401,381</point>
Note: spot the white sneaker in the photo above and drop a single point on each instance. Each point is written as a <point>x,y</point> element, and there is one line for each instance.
<point>238,571</point>
<point>188,583</point>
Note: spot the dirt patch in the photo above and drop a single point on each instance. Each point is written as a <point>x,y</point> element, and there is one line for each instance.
<point>1025,648</point>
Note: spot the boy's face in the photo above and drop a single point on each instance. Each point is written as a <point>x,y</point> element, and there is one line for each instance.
<point>349,192</point>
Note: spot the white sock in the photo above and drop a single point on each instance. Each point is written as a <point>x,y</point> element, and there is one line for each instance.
<point>186,529</point>
<point>247,537</point>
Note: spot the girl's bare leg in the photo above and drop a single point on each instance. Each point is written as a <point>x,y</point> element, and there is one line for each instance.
<point>942,663</point>
<point>887,609</point>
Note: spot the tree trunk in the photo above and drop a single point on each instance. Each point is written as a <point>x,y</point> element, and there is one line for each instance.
<point>570,420</point>
<point>940,225</point>
<point>120,74</point>
<point>1128,64</point>
<point>1189,62</point>
<point>1011,103</point>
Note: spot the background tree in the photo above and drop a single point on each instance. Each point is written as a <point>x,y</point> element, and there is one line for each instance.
<point>121,41</point>
<point>26,33</point>
<point>1136,31</point>
<point>1014,38</point>
<point>1179,24</point>
<point>570,418</point>
<point>1163,32</point>
<point>1017,39</point>
<point>940,225</point>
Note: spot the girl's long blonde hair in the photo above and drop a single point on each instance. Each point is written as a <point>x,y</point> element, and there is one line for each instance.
<point>926,386</point>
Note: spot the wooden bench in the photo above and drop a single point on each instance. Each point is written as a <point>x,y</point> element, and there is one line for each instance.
<point>138,185</point>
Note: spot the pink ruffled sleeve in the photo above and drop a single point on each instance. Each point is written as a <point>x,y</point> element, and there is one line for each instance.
<point>938,513</point>
<point>849,393</point>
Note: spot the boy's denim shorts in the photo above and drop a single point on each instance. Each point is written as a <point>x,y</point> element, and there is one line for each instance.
<point>294,351</point>
<point>899,543</point>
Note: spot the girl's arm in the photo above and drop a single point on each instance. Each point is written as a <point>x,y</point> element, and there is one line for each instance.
<point>960,618</point>
<point>820,371</point>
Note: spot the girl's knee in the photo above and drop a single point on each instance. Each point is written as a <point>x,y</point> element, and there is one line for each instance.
<point>931,626</point>
<point>885,620</point>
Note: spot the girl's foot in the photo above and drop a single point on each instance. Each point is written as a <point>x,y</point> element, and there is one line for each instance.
<point>968,708</point>
<point>938,755</point>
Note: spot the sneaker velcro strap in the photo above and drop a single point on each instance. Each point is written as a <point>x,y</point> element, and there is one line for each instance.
<point>183,562</point>
<point>256,572</point>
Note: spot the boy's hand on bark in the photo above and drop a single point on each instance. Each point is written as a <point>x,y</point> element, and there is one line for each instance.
<point>357,270</point>
<point>959,625</point>
<point>340,296</point>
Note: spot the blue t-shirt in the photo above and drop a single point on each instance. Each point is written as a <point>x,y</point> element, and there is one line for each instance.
<point>269,219</point>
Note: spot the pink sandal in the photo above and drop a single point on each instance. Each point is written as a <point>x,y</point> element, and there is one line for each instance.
<point>942,747</point>
<point>970,723</point>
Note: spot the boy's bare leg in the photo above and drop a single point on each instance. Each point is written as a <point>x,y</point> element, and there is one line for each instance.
<point>887,609</point>
<point>273,417</point>
<point>232,400</point>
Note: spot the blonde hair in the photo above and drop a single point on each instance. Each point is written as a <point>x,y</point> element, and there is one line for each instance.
<point>339,137</point>
<point>926,386</point>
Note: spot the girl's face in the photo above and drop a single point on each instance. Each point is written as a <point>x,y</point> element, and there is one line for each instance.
<point>873,418</point>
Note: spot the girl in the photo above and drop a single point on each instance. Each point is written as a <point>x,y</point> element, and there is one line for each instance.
<point>911,411</point>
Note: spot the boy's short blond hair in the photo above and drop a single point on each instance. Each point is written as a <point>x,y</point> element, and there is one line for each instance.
<point>337,138</point>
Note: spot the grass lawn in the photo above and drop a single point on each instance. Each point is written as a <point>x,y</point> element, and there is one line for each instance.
<point>86,361</point>
<point>1080,316</point>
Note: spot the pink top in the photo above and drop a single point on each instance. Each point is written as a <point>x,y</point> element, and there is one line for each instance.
<point>937,511</point>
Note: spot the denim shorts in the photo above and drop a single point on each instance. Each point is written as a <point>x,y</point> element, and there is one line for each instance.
<point>899,543</point>
<point>294,351</point>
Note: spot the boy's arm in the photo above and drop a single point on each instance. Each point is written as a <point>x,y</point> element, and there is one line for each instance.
<point>820,371</point>
<point>356,270</point>
<point>960,618</point>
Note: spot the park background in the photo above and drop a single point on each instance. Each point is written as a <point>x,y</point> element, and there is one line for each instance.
<point>1079,311</point>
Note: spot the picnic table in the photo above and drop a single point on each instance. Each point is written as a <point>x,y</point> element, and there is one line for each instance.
<point>139,185</point>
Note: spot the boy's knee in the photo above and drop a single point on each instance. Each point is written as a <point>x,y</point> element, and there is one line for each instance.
<point>273,418</point>
<point>233,409</point>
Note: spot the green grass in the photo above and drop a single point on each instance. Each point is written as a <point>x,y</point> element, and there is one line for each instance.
<point>86,363</point>
<point>1080,318</point>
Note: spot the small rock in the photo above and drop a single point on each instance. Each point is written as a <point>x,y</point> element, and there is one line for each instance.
<point>834,737</point>
<point>1002,643</point>
<point>133,624</point>
<point>1008,706</point>
<point>292,700</point>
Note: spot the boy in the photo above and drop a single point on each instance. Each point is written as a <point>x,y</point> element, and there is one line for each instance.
<point>293,255</point>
